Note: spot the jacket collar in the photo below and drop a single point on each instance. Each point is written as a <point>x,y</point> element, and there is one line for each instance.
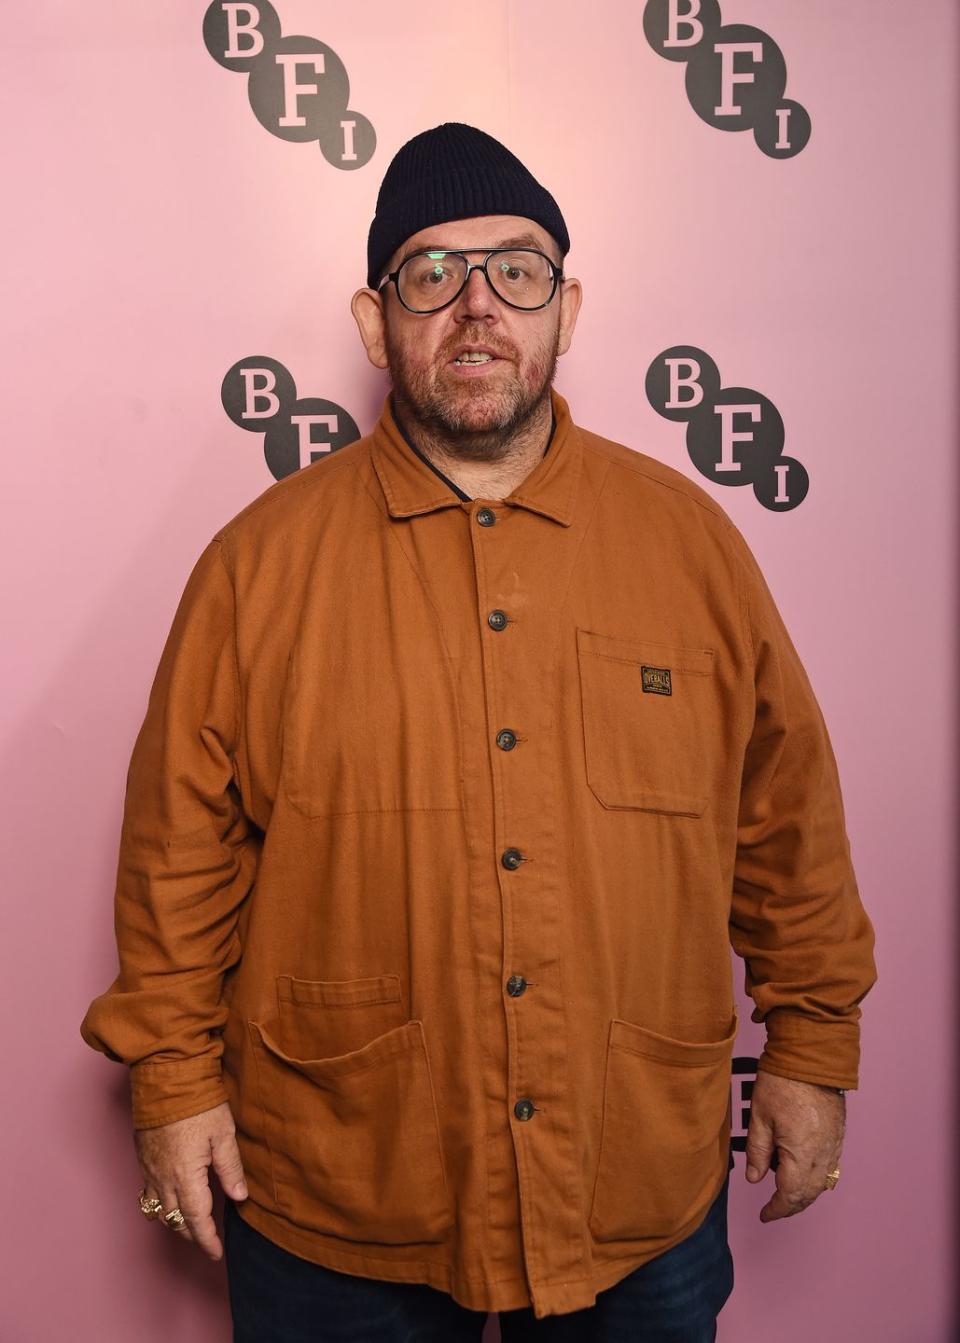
<point>461,494</point>
<point>411,487</point>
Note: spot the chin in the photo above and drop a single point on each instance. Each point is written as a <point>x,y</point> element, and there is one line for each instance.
<point>480,417</point>
<point>475,400</point>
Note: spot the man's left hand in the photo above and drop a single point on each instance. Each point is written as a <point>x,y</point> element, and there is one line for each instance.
<point>805,1124</point>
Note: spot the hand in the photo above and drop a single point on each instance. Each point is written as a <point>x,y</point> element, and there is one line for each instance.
<point>805,1123</point>
<point>175,1159</point>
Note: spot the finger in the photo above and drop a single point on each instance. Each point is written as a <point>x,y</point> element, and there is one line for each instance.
<point>168,1197</point>
<point>783,1205</point>
<point>759,1149</point>
<point>196,1204</point>
<point>792,1194</point>
<point>227,1163</point>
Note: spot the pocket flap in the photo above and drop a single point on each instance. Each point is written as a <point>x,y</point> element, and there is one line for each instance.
<point>698,661</point>
<point>400,1040</point>
<point>664,1048</point>
<point>339,992</point>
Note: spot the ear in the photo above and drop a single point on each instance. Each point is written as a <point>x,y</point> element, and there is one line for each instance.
<point>571,296</point>
<point>368,313</point>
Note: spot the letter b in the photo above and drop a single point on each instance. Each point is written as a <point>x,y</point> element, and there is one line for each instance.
<point>237,32</point>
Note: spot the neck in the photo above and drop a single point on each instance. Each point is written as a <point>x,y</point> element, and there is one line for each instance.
<point>484,465</point>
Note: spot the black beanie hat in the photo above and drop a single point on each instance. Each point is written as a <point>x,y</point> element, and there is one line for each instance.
<point>454,171</point>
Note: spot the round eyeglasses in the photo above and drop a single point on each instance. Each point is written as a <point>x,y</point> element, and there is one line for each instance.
<point>522,276</point>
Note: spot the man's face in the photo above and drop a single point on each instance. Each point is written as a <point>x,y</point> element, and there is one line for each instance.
<point>474,407</point>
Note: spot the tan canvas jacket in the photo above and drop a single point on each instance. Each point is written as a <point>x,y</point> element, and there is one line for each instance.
<point>440,824</point>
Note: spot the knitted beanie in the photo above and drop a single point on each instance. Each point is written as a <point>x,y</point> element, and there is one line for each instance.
<point>454,171</point>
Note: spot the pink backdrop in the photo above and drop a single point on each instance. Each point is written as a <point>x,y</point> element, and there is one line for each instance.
<point>155,233</point>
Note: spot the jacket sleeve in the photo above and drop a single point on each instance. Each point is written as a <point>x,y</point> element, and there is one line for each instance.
<point>796,919</point>
<point>187,860</point>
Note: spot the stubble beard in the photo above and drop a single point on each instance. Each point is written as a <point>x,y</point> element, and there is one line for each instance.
<point>472,419</point>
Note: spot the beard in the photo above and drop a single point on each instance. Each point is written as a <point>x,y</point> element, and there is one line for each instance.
<point>479,418</point>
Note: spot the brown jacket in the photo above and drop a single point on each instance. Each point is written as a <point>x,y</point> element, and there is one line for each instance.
<point>438,829</point>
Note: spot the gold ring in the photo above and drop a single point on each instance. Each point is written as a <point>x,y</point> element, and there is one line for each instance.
<point>150,1207</point>
<point>832,1177</point>
<point>175,1218</point>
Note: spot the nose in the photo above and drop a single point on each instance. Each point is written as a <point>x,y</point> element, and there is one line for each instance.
<point>477,302</point>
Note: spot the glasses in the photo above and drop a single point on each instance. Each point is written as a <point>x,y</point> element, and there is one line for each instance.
<point>523,277</point>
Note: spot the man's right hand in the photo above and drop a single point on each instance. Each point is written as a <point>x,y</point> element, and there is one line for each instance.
<point>175,1160</point>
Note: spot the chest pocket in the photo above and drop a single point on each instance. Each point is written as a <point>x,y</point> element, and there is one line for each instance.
<point>649,715</point>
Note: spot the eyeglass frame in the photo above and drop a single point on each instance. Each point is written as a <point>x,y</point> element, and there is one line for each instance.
<point>556,271</point>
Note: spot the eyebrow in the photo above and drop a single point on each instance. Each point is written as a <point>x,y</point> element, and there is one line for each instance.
<point>518,240</point>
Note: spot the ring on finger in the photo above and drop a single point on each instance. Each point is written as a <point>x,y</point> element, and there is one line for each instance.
<point>175,1218</point>
<point>150,1207</point>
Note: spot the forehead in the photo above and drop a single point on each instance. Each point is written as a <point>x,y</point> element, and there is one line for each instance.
<point>480,231</point>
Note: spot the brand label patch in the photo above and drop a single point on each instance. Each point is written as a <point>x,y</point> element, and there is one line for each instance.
<point>656,680</point>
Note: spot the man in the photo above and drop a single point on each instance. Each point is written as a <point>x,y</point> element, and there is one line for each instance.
<point>470,752</point>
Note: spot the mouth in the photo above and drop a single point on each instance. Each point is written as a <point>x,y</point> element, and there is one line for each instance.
<point>474,361</point>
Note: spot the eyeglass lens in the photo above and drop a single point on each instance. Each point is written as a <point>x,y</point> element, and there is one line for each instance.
<point>431,279</point>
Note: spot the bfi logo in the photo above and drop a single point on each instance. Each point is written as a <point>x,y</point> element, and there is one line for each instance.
<point>743,1075</point>
<point>735,436</point>
<point>736,74</point>
<point>259,394</point>
<point>298,86</point>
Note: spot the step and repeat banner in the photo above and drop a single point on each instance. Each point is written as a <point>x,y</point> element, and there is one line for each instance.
<point>761,199</point>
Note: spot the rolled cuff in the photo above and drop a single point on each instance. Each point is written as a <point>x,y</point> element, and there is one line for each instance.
<point>809,1049</point>
<point>173,1089</point>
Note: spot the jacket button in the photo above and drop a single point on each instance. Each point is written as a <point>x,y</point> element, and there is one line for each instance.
<point>497,620</point>
<point>511,858</point>
<point>523,1109</point>
<point>506,739</point>
<point>516,985</point>
<point>486,517</point>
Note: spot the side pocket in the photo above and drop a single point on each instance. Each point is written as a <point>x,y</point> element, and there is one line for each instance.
<point>356,1139</point>
<point>666,1116</point>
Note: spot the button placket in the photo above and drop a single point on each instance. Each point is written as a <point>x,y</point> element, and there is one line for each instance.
<point>518,929</point>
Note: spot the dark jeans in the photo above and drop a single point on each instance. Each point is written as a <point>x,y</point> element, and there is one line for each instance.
<point>277,1297</point>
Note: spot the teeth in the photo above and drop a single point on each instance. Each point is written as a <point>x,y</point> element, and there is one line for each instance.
<point>474,359</point>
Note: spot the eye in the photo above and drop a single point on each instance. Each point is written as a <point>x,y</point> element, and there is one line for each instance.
<point>431,271</point>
